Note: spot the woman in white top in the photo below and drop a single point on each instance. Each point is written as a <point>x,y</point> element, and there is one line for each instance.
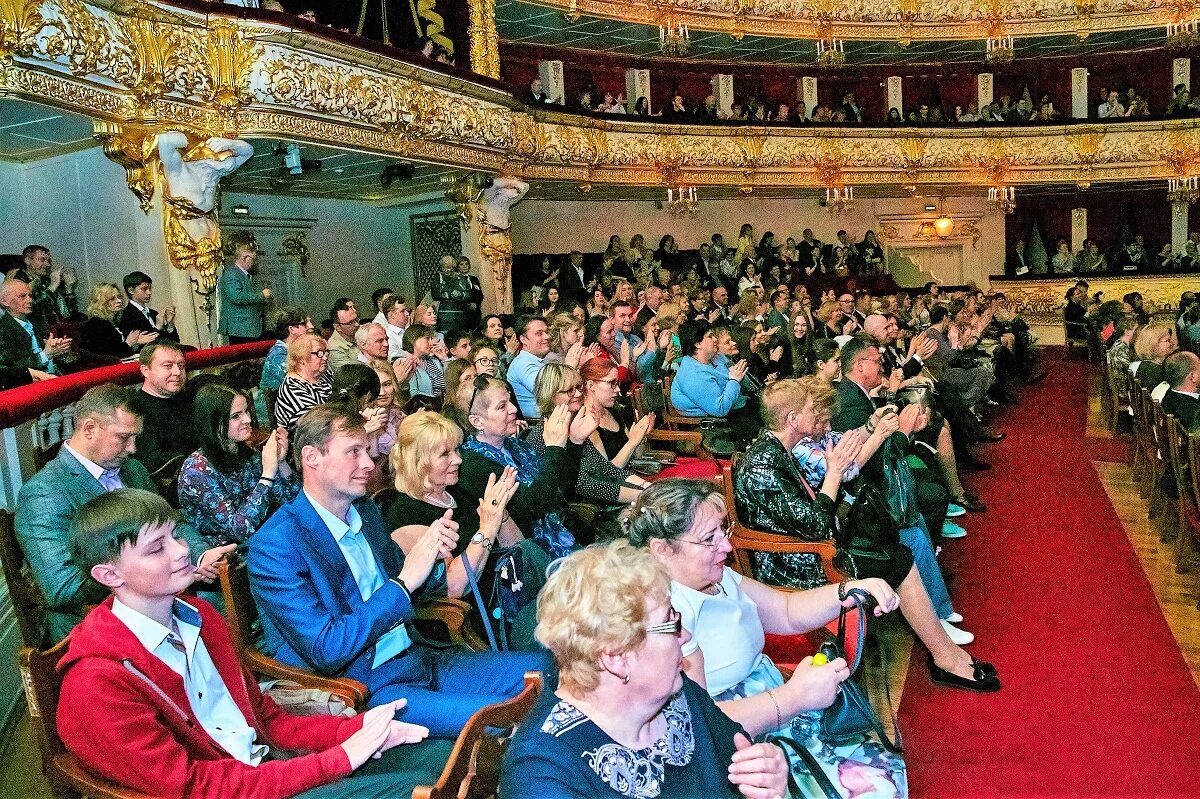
<point>682,523</point>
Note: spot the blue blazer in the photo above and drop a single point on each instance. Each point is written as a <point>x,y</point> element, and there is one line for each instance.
<point>312,614</point>
<point>241,305</point>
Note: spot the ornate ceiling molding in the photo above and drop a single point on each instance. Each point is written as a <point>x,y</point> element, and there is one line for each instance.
<point>216,75</point>
<point>879,20</point>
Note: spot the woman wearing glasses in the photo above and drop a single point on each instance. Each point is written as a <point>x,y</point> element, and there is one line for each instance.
<point>487,415</point>
<point>682,524</point>
<point>624,721</point>
<point>307,382</point>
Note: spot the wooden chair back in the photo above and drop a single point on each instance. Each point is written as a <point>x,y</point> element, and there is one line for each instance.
<point>28,602</point>
<point>672,419</point>
<point>473,770</point>
<point>43,683</point>
<point>1178,445</point>
<point>241,614</point>
<point>166,480</point>
<point>1075,335</point>
<point>748,542</point>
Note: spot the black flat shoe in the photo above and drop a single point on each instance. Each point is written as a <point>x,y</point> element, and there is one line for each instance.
<point>986,679</point>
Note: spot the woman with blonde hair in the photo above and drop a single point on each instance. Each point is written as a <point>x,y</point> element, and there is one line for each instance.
<point>390,407</point>
<point>307,382</point>
<point>833,320</point>
<point>1151,346</point>
<point>100,334</point>
<point>624,721</point>
<point>566,337</point>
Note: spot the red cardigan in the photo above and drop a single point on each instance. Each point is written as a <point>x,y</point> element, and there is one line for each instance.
<point>125,715</point>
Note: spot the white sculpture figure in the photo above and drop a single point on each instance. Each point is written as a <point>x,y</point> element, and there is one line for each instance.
<point>191,177</point>
<point>495,244</point>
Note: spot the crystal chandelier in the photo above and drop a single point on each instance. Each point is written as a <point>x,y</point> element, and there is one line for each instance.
<point>1000,50</point>
<point>831,53</point>
<point>1183,191</point>
<point>839,199</point>
<point>1183,35</point>
<point>682,201</point>
<point>1004,198</point>
<point>673,38</point>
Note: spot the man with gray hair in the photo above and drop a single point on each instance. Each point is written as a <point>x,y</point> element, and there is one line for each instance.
<point>24,356</point>
<point>372,342</point>
<point>98,458</point>
<point>452,292</point>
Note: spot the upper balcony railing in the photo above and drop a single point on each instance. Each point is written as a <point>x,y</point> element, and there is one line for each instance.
<point>213,69</point>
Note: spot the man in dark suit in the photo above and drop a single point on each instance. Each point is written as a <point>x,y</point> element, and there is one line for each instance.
<point>475,307</point>
<point>1182,400</point>
<point>653,299</point>
<point>97,458</point>
<point>337,595</point>
<point>138,315</point>
<point>242,303</point>
<point>1015,264</point>
<point>24,357</point>
<point>573,281</point>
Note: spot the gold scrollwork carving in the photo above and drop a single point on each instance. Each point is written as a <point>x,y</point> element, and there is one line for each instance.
<point>20,22</point>
<point>132,148</point>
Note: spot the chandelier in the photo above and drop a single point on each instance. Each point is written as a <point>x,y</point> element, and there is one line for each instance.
<point>682,201</point>
<point>839,199</point>
<point>674,38</point>
<point>1182,192</point>
<point>1183,35</point>
<point>1000,50</point>
<point>1004,198</point>
<point>830,53</point>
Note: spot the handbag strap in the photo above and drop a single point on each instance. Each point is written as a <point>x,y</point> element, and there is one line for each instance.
<point>811,765</point>
<point>861,598</point>
<point>483,610</point>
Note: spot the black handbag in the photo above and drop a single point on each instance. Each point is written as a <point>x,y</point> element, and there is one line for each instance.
<point>870,537</point>
<point>851,715</point>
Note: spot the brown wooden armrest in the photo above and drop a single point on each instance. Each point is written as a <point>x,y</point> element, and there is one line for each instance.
<point>453,614</point>
<point>746,541</point>
<point>693,437</point>
<point>352,692</point>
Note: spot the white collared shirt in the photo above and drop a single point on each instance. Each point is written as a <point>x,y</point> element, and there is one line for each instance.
<point>395,340</point>
<point>207,693</point>
<point>95,470</point>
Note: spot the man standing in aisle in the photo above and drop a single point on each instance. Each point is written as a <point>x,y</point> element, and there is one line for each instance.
<point>241,303</point>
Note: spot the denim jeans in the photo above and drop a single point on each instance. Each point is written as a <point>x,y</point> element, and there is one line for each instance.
<point>916,539</point>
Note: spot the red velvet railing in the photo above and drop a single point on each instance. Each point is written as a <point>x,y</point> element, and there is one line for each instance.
<point>18,405</point>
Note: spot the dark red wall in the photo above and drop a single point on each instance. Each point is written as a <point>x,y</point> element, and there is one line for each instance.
<point>1111,213</point>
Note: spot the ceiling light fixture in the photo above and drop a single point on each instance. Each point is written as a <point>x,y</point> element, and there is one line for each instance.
<point>839,199</point>
<point>831,53</point>
<point>1000,50</point>
<point>674,39</point>
<point>1183,35</point>
<point>1004,198</point>
<point>682,201</point>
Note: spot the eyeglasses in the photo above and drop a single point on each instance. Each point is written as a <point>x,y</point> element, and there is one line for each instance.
<point>720,535</point>
<point>320,353</point>
<point>486,361</point>
<point>614,383</point>
<point>672,626</point>
<point>575,389</point>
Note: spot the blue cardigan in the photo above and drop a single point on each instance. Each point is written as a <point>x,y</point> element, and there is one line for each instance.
<point>704,389</point>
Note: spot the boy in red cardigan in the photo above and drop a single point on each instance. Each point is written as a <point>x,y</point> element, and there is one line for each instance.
<point>154,698</point>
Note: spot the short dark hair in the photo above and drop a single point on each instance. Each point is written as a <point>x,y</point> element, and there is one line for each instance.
<point>414,332</point>
<point>853,349</point>
<point>523,323</point>
<point>379,294</point>
<point>286,317</point>
<point>103,401</point>
<point>133,280</point>
<point>321,423</point>
<point>108,522</point>
<point>691,333</point>
<point>453,337</point>
<point>32,248</point>
<point>146,356</point>
<point>619,304</point>
<point>352,382</point>
<point>822,350</point>
<point>210,421</point>
<point>937,313</point>
<point>591,329</point>
<point>343,304</point>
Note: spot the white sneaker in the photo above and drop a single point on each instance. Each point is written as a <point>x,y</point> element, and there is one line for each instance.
<point>955,618</point>
<point>957,636</point>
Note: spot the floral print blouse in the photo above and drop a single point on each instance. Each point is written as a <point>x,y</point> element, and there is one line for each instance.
<point>229,508</point>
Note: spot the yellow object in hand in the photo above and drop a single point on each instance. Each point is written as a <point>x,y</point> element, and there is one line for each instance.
<point>819,659</point>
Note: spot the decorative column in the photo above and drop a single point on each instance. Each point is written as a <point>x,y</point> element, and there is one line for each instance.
<point>1078,228</point>
<point>722,89</point>
<point>637,84</point>
<point>1079,93</point>
<point>553,82</point>
<point>485,42</point>
<point>895,95</point>
<point>808,93</point>
<point>984,89</point>
<point>488,243</point>
<point>1179,226</point>
<point>1181,72</point>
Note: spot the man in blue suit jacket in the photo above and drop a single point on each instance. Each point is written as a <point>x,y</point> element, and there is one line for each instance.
<point>336,594</point>
<point>96,459</point>
<point>241,302</point>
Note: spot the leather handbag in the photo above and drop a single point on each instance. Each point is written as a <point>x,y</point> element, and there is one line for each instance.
<point>851,715</point>
<point>869,538</point>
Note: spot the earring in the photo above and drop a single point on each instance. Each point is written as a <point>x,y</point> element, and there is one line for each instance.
<point>625,679</point>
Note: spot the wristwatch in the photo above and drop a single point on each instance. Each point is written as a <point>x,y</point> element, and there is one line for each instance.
<point>481,540</point>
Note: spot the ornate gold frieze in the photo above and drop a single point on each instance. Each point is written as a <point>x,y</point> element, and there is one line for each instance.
<point>902,20</point>
<point>485,42</point>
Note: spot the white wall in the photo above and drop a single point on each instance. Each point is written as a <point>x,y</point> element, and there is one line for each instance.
<point>558,227</point>
<point>12,209</point>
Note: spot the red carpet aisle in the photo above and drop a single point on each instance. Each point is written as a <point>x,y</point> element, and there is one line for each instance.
<point>1097,699</point>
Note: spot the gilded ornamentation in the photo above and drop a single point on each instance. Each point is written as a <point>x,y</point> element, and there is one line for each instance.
<point>133,150</point>
<point>495,243</point>
<point>1042,301</point>
<point>485,42</point>
<point>20,23</point>
<point>230,59</point>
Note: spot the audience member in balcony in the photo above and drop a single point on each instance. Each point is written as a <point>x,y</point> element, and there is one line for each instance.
<point>332,535</point>
<point>1181,104</point>
<point>138,315</point>
<point>163,404</point>
<point>1112,107</point>
<point>227,488</point>
<point>1132,257</point>
<point>1015,263</point>
<point>54,297</point>
<point>1063,260</point>
<point>425,44</point>
<point>612,104</point>
<point>708,110</point>
<point>800,117</point>
<point>850,107</point>
<point>124,668</point>
<point>290,323</point>
<point>24,356</point>
<point>241,304</point>
<point>308,381</point>
<point>99,333</point>
<point>678,110</point>
<point>583,102</point>
<point>536,95</point>
<point>1090,259</point>
<point>641,108</point>
<point>1138,105</point>
<point>342,349</point>
<point>1164,261</point>
<point>96,459</point>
